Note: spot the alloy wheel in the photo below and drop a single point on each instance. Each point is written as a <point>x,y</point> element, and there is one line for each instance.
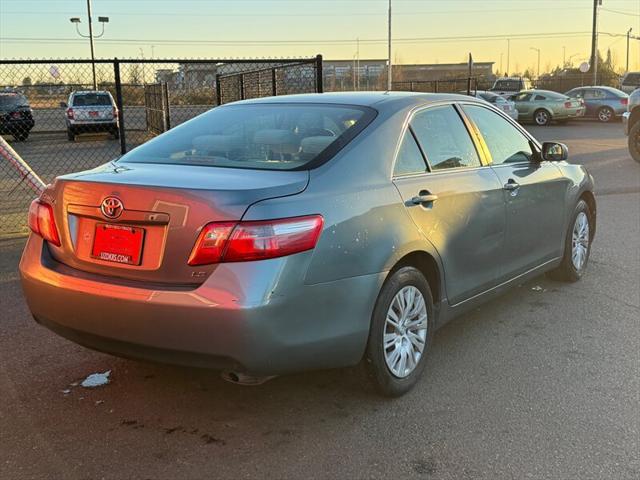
<point>580,241</point>
<point>542,117</point>
<point>605,114</point>
<point>405,332</point>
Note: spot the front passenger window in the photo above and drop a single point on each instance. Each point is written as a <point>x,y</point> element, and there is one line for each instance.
<point>506,144</point>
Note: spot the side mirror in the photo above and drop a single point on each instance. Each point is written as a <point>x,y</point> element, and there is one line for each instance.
<point>554,152</point>
<point>63,104</point>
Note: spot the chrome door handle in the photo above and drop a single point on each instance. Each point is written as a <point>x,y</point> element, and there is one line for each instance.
<point>511,185</point>
<point>424,197</point>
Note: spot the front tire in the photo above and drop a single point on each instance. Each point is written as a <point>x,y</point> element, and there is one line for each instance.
<point>71,136</point>
<point>577,246</point>
<point>605,115</point>
<point>402,327</point>
<point>541,117</point>
<point>634,141</point>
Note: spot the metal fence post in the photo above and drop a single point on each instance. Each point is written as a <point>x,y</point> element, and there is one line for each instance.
<point>319,77</point>
<point>116,74</point>
<point>242,86</point>
<point>218,90</point>
<point>165,106</point>
<point>274,82</point>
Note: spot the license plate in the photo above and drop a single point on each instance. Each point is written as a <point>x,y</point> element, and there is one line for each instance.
<point>93,114</point>
<point>118,243</point>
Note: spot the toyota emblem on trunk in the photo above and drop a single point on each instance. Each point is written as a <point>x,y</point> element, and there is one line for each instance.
<point>111,207</point>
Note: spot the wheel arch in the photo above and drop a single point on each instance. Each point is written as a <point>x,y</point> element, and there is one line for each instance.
<point>428,266</point>
<point>590,200</point>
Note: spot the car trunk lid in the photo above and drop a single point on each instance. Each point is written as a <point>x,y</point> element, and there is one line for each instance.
<point>141,221</point>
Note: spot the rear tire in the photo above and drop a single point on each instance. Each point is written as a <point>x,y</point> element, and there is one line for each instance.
<point>605,114</point>
<point>116,133</point>
<point>577,246</point>
<point>396,355</point>
<point>541,117</point>
<point>634,141</point>
<point>71,136</point>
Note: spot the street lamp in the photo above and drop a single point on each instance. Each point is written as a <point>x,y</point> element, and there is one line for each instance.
<point>91,36</point>
<point>537,50</point>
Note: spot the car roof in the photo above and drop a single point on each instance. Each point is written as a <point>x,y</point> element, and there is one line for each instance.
<point>362,99</point>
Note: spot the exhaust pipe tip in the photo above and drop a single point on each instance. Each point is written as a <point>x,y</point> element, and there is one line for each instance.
<point>244,379</point>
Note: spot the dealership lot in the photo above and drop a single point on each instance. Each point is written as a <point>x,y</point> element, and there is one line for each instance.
<point>541,383</point>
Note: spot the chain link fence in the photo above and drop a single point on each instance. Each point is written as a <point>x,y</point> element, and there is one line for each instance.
<point>56,120</point>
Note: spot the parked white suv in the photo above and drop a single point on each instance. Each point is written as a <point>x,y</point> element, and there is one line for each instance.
<point>507,86</point>
<point>91,111</point>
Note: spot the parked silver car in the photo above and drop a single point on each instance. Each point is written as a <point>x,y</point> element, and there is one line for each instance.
<point>501,103</point>
<point>304,232</point>
<point>91,112</point>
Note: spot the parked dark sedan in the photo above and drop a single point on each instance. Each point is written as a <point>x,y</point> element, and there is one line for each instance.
<point>15,115</point>
<point>603,103</point>
<point>305,232</point>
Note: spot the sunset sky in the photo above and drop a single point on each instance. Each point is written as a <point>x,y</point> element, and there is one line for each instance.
<point>426,31</point>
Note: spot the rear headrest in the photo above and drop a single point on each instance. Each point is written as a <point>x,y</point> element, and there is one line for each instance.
<point>315,145</point>
<point>274,136</point>
<point>215,143</point>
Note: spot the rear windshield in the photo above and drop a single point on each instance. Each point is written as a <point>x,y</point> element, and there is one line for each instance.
<point>257,136</point>
<point>552,95</point>
<point>509,85</point>
<point>13,100</point>
<point>492,97</point>
<point>631,79</point>
<point>91,99</point>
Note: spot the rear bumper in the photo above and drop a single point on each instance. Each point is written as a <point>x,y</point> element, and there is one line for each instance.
<point>256,317</point>
<point>625,122</point>
<point>92,126</point>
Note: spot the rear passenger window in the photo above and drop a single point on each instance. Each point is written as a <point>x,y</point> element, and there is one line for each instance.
<point>444,138</point>
<point>409,159</point>
<point>539,98</point>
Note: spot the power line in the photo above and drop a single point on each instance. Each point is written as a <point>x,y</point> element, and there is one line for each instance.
<point>348,41</point>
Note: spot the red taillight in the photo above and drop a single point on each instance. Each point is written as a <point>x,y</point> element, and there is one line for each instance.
<point>41,221</point>
<point>245,241</point>
<point>70,114</point>
<point>210,244</point>
<point>624,101</point>
<point>115,112</point>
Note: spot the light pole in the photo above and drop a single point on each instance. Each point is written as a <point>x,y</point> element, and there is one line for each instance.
<point>594,41</point>
<point>91,36</point>
<point>508,55</point>
<point>537,50</point>
<point>628,38</point>
<point>389,50</point>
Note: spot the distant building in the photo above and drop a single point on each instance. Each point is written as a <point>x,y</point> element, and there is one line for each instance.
<point>372,74</point>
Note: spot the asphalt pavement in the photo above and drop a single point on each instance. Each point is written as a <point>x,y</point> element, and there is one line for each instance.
<point>541,383</point>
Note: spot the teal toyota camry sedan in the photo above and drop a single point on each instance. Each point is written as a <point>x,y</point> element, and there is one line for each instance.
<point>305,232</point>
